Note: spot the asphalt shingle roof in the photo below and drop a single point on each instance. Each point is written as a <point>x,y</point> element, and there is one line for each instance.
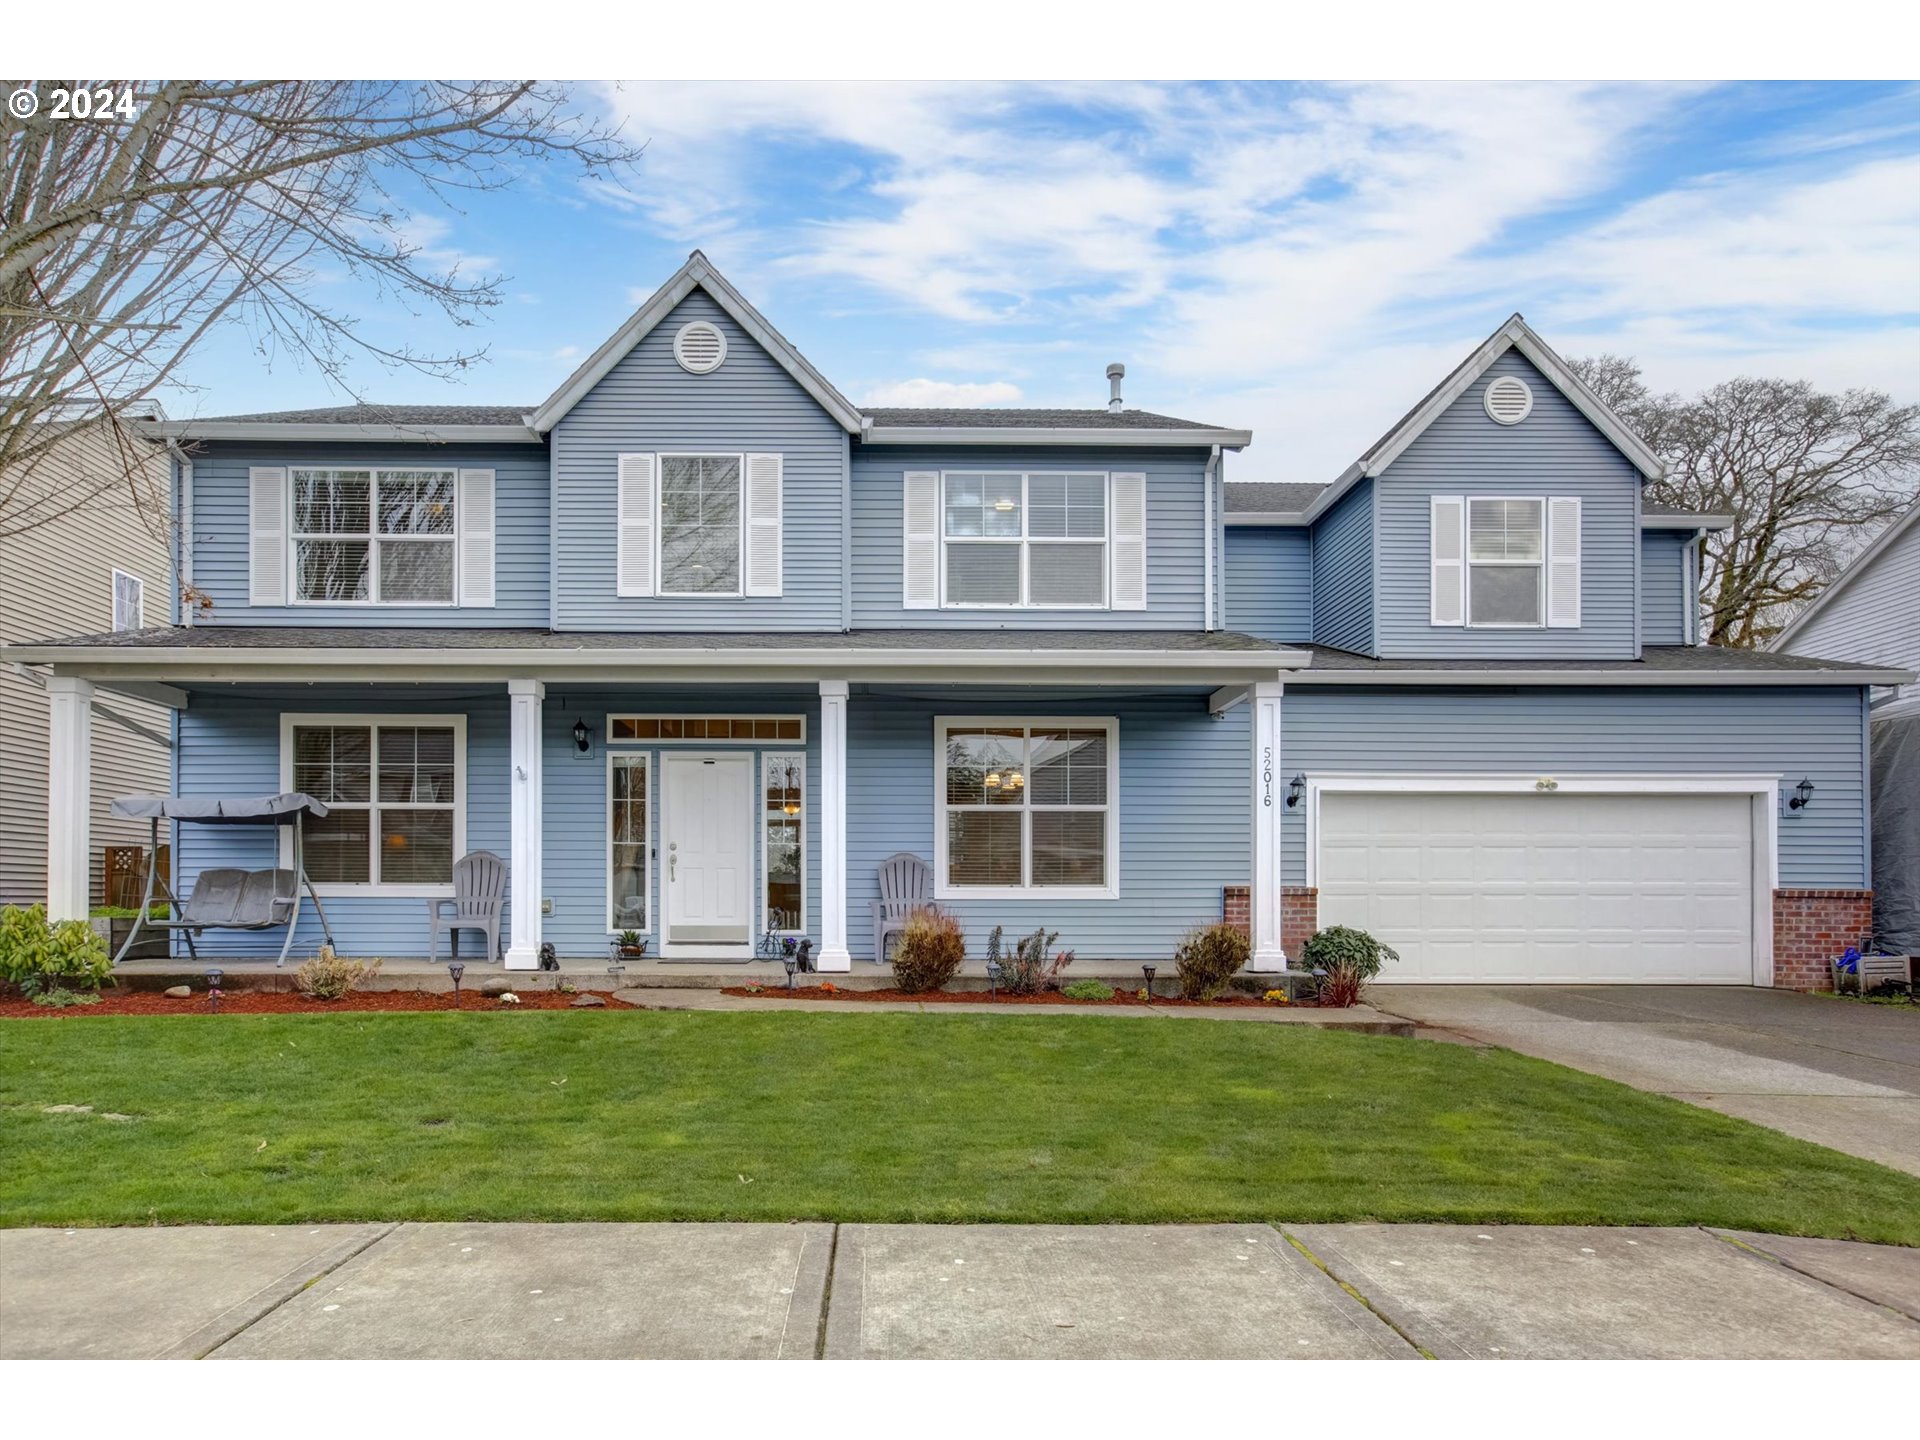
<point>1260,497</point>
<point>382,415</point>
<point>1036,419</point>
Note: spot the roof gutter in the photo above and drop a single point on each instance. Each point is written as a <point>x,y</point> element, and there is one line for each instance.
<point>1013,435</point>
<point>313,430</point>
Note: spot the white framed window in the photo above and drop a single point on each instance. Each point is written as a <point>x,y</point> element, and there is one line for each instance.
<point>1506,561</point>
<point>629,841</point>
<point>1026,807</point>
<point>705,729</point>
<point>783,842</point>
<point>1029,539</point>
<point>373,536</point>
<point>699,534</point>
<point>395,787</point>
<point>129,601</point>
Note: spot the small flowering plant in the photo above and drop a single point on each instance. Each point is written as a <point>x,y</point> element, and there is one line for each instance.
<point>509,999</point>
<point>829,987</point>
<point>1277,997</point>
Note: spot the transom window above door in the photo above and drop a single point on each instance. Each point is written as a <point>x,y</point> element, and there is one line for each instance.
<point>1034,538</point>
<point>373,536</point>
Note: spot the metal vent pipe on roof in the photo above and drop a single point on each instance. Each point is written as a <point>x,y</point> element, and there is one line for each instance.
<point>1116,372</point>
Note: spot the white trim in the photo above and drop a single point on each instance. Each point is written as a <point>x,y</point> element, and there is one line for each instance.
<point>697,273</point>
<point>1026,890</point>
<point>660,459</point>
<point>1265,782</point>
<point>372,536</point>
<point>834,700</point>
<point>347,719</point>
<point>756,519</point>
<point>1486,399</point>
<point>1763,789</point>
<point>140,600</point>
<point>1550,541</point>
<point>1437,584</point>
<point>644,760</point>
<point>705,949</point>
<point>799,757</point>
<point>269,521</point>
<point>476,551</point>
<point>1197,439</point>
<point>302,431</point>
<point>680,347</point>
<point>764,741</point>
<point>1025,542</point>
<point>1857,567</point>
<point>527,808</point>
<point>69,809</point>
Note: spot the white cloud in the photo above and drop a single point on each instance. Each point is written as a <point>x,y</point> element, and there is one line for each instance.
<point>922,393</point>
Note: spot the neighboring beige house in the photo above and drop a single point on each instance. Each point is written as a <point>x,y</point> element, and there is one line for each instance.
<point>102,567</point>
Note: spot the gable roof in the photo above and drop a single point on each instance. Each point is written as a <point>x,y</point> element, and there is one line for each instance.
<point>1858,566</point>
<point>697,274</point>
<point>1262,502</point>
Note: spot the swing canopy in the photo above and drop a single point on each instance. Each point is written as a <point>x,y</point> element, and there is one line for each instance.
<point>285,809</point>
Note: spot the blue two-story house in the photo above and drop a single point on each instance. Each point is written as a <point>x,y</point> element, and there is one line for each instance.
<point>697,644</point>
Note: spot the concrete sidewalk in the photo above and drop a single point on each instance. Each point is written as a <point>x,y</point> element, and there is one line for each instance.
<point>815,1290</point>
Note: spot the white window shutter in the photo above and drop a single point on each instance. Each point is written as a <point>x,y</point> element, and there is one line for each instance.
<point>475,517</point>
<point>1563,562</point>
<point>267,535</point>
<point>763,542</point>
<point>920,550</point>
<point>1447,568</point>
<point>1129,540</point>
<point>634,567</point>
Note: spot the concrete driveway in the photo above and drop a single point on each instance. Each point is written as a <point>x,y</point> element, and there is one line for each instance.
<point>1837,1073</point>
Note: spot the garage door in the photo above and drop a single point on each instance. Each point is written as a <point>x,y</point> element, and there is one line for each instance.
<point>1552,888</point>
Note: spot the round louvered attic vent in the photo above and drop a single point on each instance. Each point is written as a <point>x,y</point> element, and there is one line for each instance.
<point>699,347</point>
<point>1509,401</point>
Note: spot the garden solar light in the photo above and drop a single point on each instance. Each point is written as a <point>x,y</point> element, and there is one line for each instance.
<point>994,971</point>
<point>791,965</point>
<point>1148,970</point>
<point>214,977</point>
<point>456,970</point>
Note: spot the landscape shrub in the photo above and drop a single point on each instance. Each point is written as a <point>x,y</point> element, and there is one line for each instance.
<point>1349,957</point>
<point>929,952</point>
<point>328,977</point>
<point>1028,971</point>
<point>59,998</point>
<point>1207,959</point>
<point>37,957</point>
<point>1087,990</point>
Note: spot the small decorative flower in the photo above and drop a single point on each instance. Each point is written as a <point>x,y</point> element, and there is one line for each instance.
<point>509,999</point>
<point>829,987</point>
<point>1277,997</point>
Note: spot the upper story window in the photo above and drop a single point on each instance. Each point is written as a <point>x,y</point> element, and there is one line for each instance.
<point>1505,562</point>
<point>1024,538</point>
<point>373,536</point>
<point>129,601</point>
<point>700,524</point>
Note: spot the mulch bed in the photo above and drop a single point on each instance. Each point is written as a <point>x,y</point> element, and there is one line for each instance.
<point>983,997</point>
<point>260,1002</point>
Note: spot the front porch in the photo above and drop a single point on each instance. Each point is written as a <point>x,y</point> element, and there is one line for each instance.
<point>705,805</point>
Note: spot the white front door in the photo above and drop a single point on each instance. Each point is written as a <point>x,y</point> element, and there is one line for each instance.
<point>708,852</point>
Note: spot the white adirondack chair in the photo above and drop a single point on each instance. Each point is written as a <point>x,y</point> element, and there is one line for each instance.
<point>906,884</point>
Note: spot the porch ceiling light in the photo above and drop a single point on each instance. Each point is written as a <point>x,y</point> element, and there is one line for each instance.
<point>582,736</point>
<point>1802,795</point>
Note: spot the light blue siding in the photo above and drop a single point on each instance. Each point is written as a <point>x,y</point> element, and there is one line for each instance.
<point>1554,451</point>
<point>1176,536</point>
<point>219,533</point>
<point>231,746</point>
<point>1663,587</point>
<point>1343,572</point>
<point>1269,576</point>
<point>1874,618</point>
<point>1811,732</point>
<point>648,403</point>
<point>1184,816</point>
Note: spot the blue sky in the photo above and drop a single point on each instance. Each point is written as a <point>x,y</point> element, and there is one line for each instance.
<point>1304,261</point>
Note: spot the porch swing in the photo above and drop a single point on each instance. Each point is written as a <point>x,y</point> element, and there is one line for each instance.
<point>227,899</point>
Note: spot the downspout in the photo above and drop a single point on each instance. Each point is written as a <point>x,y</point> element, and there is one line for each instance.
<point>1690,579</point>
<point>183,533</point>
<point>1212,471</point>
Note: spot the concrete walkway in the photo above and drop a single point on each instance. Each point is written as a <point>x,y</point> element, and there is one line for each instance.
<point>815,1290</point>
<point>1834,1072</point>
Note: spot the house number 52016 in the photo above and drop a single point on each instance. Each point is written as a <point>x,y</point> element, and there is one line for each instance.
<point>1266,776</point>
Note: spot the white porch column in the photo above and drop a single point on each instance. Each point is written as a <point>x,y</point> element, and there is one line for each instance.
<point>524,700</point>
<point>69,796</point>
<point>833,826</point>
<point>1263,898</point>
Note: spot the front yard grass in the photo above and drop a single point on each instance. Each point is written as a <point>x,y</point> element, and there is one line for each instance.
<point>689,1116</point>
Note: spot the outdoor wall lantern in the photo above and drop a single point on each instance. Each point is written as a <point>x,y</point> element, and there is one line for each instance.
<point>1296,787</point>
<point>456,970</point>
<point>214,977</point>
<point>1802,795</point>
<point>582,736</point>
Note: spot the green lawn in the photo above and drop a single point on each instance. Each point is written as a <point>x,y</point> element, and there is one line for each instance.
<point>654,1116</point>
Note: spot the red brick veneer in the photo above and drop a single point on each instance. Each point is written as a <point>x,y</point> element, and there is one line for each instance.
<point>1299,913</point>
<point>1811,928</point>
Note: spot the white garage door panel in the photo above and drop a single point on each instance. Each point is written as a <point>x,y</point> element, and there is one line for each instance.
<point>1546,888</point>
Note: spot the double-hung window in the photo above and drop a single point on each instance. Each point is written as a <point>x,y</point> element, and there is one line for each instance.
<point>395,791</point>
<point>1035,539</point>
<point>373,536</point>
<point>1505,562</point>
<point>1026,807</point>
<point>1506,554</point>
<point>700,524</point>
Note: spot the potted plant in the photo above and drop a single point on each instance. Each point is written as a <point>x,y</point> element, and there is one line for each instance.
<point>629,945</point>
